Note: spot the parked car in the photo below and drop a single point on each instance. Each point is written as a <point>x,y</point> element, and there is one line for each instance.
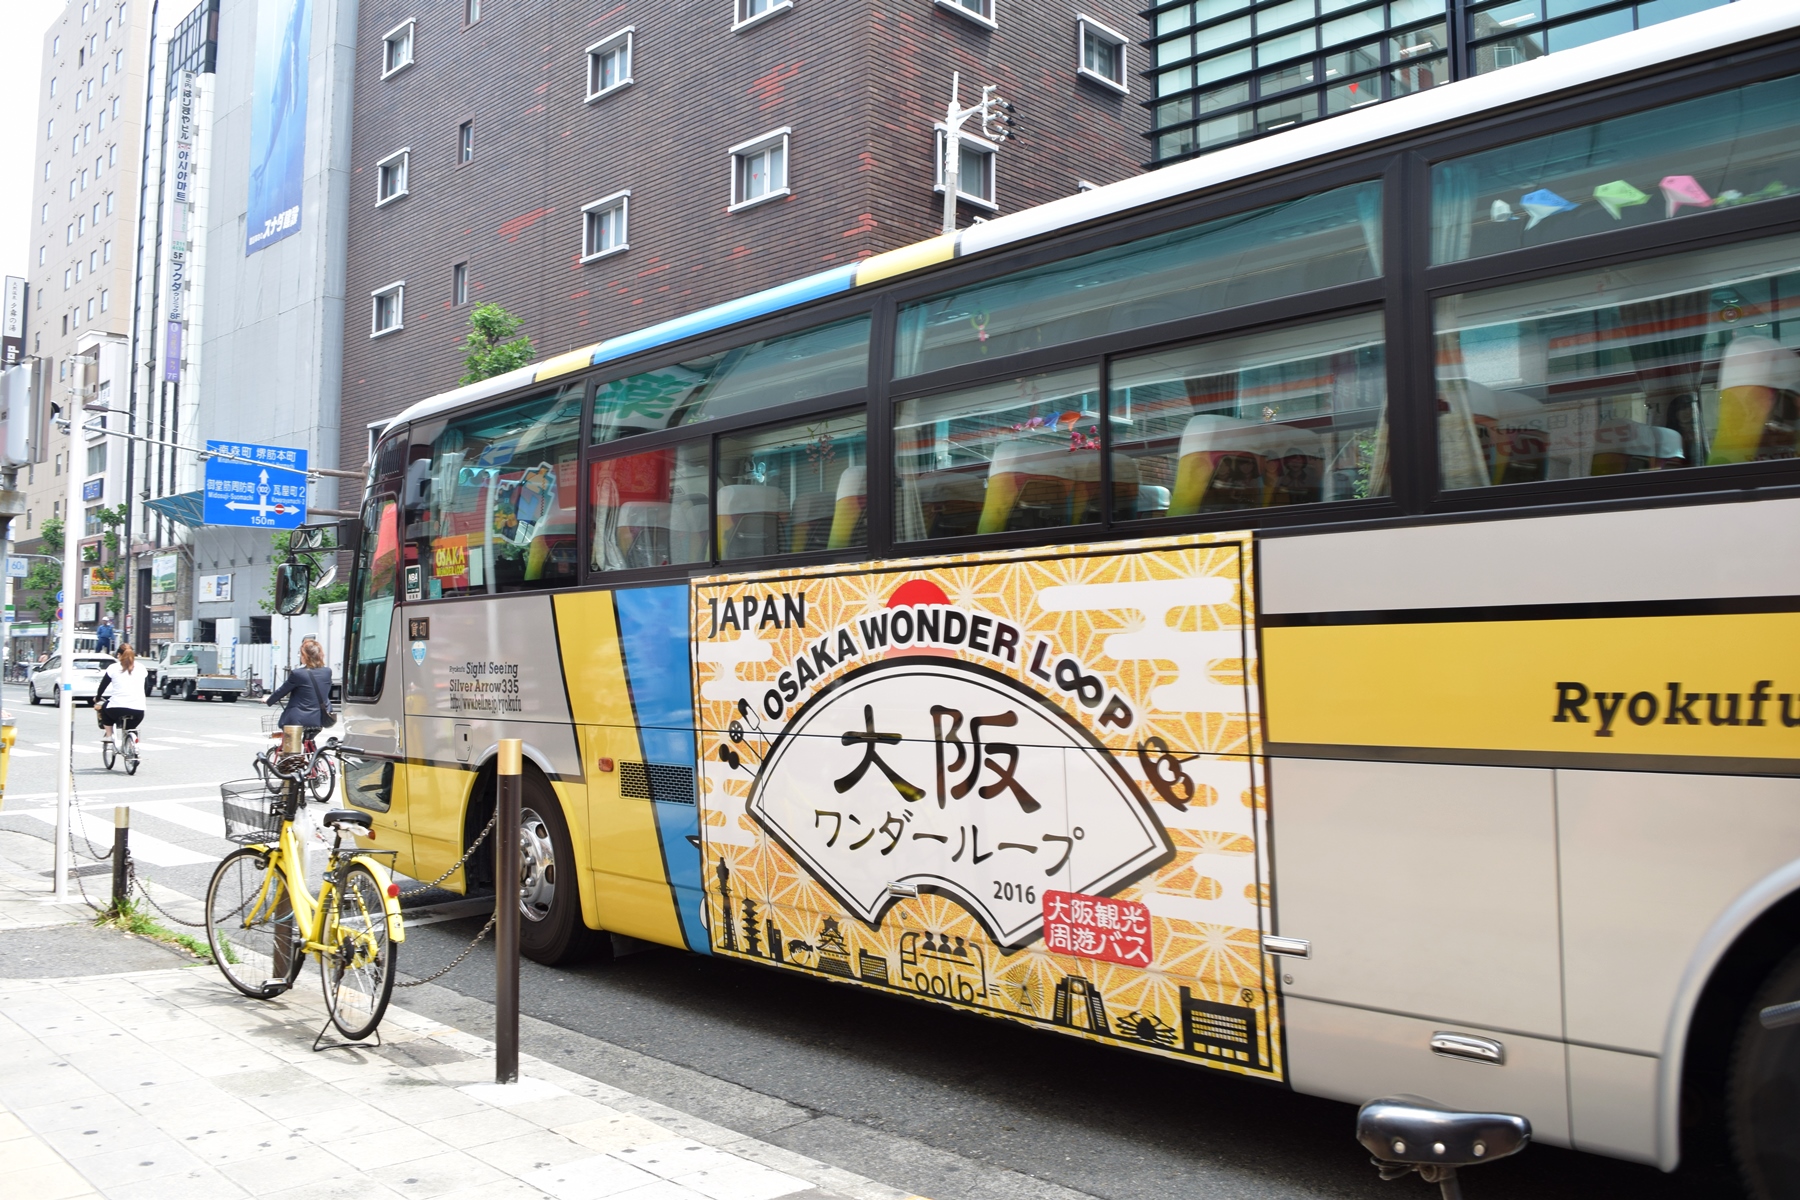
<point>46,681</point>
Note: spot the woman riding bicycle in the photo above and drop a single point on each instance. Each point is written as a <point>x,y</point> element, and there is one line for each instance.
<point>125,681</point>
<point>307,690</point>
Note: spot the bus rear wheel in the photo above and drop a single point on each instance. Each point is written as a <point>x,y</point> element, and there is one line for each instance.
<point>1763,1093</point>
<point>551,930</point>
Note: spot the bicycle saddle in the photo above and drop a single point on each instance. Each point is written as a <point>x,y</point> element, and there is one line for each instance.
<point>339,817</point>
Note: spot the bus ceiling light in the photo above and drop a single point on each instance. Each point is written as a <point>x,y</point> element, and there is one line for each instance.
<point>1411,1133</point>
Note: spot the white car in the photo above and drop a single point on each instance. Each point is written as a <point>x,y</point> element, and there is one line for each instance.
<point>46,679</point>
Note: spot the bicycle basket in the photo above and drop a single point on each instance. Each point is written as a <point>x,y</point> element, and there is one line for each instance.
<point>253,813</point>
<point>271,723</point>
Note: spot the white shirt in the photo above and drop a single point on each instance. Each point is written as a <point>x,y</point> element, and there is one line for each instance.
<point>126,688</point>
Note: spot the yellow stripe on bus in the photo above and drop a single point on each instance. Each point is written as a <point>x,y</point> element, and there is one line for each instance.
<point>631,884</point>
<point>1713,686</point>
<point>565,364</point>
<point>915,257</point>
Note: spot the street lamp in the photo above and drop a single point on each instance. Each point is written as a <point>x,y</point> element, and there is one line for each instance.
<point>996,125</point>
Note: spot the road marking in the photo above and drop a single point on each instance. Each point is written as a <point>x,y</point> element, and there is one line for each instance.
<point>21,752</point>
<point>152,850</point>
<point>125,791</point>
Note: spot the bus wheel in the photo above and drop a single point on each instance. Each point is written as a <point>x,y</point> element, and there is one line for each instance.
<point>1763,1093</point>
<point>551,930</point>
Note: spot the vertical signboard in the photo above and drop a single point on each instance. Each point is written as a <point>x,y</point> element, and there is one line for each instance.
<point>184,140</point>
<point>278,121</point>
<point>12,334</point>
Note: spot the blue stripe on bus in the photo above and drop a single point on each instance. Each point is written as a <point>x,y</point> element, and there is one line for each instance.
<point>800,291</point>
<point>653,632</point>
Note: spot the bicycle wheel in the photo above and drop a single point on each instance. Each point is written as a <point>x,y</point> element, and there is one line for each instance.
<point>131,752</point>
<point>108,752</point>
<point>321,777</point>
<point>250,925</point>
<point>358,975</point>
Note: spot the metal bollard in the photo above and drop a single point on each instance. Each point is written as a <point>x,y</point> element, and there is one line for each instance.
<point>510,797</point>
<point>120,854</point>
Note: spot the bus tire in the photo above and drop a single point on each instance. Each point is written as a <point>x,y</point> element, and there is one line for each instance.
<point>1763,1092</point>
<point>551,929</point>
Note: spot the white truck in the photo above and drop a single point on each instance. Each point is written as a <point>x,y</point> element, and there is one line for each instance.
<point>191,670</point>
<point>331,635</point>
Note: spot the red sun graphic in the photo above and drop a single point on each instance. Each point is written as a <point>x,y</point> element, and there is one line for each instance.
<point>917,591</point>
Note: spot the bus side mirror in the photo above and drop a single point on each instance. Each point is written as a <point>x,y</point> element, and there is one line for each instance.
<point>293,584</point>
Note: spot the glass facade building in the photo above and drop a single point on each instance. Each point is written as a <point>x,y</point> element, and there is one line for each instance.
<point>1226,71</point>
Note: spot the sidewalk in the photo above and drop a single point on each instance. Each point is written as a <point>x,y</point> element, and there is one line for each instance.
<point>166,1083</point>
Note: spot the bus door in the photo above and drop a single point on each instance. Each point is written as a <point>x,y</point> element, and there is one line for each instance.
<point>374,778</point>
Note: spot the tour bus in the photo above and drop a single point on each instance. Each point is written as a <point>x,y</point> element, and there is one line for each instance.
<point>1314,612</point>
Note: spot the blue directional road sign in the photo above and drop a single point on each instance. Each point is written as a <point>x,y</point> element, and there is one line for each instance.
<point>261,486</point>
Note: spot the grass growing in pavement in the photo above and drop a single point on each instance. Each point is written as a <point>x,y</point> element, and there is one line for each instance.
<point>129,917</point>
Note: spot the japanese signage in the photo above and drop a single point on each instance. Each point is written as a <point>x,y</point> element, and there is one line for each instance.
<point>183,185</point>
<point>12,326</point>
<point>1022,782</point>
<point>172,352</point>
<point>278,121</point>
<point>93,489</point>
<point>260,486</point>
<point>177,280</point>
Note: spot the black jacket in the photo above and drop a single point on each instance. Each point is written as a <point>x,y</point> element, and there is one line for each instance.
<point>307,691</point>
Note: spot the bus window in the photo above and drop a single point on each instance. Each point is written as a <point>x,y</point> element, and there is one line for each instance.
<point>1291,416</point>
<point>649,509</point>
<point>793,489</point>
<point>1736,147</point>
<point>372,602</point>
<point>499,501</point>
<point>1017,454</point>
<point>801,366</point>
<point>1299,246</point>
<point>1682,361</point>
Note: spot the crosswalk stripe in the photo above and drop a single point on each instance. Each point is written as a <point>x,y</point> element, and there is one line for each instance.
<point>152,850</point>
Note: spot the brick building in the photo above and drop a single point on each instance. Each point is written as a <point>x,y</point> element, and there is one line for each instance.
<point>596,168</point>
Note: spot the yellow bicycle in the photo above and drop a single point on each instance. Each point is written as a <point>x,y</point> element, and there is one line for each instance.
<point>262,919</point>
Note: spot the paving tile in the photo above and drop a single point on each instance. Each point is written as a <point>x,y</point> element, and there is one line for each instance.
<point>478,1128</point>
<point>743,1180</point>
<point>613,1132</point>
<point>287,1166</point>
<point>439,1175</point>
<point>84,1113</point>
<point>189,1185</point>
<point>675,1157</point>
<point>591,1178</point>
<point>529,1151</point>
<point>564,1110</point>
<point>103,1137</point>
<point>385,1148</point>
<point>662,1189</point>
<point>120,1167</point>
<point>502,1189</point>
<point>56,1181</point>
<point>349,1187</point>
<point>219,1147</point>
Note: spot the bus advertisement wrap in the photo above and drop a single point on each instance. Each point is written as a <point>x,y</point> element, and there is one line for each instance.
<point>1020,782</point>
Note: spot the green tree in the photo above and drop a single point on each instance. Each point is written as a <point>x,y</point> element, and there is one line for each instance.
<point>112,521</point>
<point>495,345</point>
<point>278,549</point>
<point>42,581</point>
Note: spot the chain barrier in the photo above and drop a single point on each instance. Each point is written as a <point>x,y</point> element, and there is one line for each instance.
<point>457,865</point>
<point>455,962</point>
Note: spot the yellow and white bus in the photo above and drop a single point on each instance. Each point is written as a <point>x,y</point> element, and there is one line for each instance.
<point>1327,611</point>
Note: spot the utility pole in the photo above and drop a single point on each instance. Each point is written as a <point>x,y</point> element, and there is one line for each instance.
<point>82,388</point>
<point>996,125</point>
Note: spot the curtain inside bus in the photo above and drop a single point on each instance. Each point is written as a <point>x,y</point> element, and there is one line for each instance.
<point>1301,245</point>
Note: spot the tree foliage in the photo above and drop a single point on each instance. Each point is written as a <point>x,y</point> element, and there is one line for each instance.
<point>495,345</point>
<point>40,584</point>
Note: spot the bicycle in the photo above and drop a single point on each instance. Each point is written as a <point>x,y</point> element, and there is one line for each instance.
<point>262,919</point>
<point>123,743</point>
<point>320,775</point>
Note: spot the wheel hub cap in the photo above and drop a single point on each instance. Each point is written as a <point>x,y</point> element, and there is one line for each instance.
<point>537,867</point>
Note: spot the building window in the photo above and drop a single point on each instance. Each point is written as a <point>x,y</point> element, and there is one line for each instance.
<point>387,309</point>
<point>112,155</point>
<point>105,299</point>
<point>90,308</point>
<point>390,176</point>
<point>53,85</point>
<point>68,278</point>
<point>981,11</point>
<point>1102,54</point>
<point>750,12</point>
<point>105,70</point>
<point>84,179</point>
<point>44,216</point>
<point>759,169</point>
<point>974,170</point>
<point>93,261</point>
<point>70,239</point>
<point>109,202</point>
<point>100,125</point>
<point>115,106</point>
<point>397,49</point>
<point>80,224</point>
<point>50,129</point>
<point>471,11</point>
<point>609,64</point>
<point>459,284</point>
<point>42,251</point>
<point>96,458</point>
<point>603,226</point>
<point>465,142</point>
<point>106,250</point>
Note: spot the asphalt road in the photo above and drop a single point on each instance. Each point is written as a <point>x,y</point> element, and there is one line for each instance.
<point>950,1105</point>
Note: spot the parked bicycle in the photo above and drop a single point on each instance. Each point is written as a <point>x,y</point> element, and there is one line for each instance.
<point>320,772</point>
<point>262,919</point>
